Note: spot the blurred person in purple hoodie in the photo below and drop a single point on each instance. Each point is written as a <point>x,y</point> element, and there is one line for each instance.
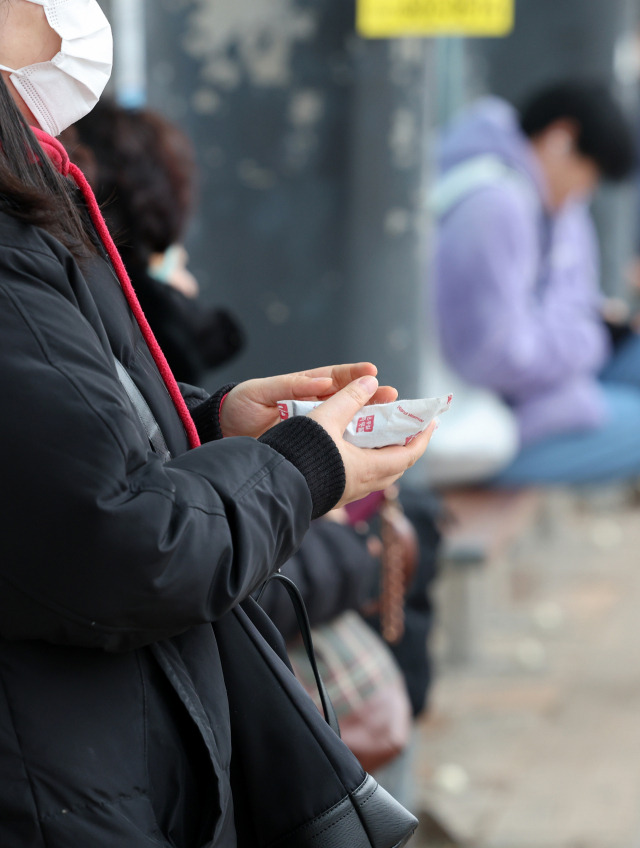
<point>517,296</point>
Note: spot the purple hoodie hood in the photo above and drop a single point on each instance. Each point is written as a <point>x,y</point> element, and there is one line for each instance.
<point>490,127</point>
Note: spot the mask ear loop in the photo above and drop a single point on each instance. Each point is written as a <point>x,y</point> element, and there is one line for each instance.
<point>34,101</point>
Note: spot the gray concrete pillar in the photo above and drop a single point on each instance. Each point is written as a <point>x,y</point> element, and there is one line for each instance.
<point>310,145</point>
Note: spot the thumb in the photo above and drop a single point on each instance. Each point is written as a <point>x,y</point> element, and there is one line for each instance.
<point>342,406</point>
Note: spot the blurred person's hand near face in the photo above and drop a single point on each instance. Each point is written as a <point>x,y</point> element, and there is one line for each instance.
<point>171,267</point>
<point>25,39</point>
<point>569,175</point>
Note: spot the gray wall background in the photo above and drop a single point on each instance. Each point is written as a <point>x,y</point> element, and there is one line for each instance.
<point>311,146</point>
<point>315,150</point>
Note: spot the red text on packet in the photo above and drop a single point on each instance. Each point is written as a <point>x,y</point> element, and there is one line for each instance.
<point>410,415</point>
<point>284,412</point>
<point>365,425</point>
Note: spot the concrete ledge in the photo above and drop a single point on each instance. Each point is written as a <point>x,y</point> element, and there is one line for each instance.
<point>482,528</point>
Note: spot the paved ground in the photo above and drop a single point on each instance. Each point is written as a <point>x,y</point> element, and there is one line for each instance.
<point>536,744</point>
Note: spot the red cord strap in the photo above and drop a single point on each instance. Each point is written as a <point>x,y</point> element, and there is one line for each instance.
<point>60,160</point>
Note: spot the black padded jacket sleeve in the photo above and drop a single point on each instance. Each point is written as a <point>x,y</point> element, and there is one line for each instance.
<point>104,545</point>
<point>301,440</point>
<point>312,450</point>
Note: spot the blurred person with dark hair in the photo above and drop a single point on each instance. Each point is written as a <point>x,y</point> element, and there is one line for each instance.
<point>142,168</point>
<point>518,303</point>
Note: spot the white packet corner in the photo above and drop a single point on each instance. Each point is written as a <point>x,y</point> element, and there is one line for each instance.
<point>380,425</point>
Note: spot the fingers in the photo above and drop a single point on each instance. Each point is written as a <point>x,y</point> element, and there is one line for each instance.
<point>385,394</point>
<point>298,386</point>
<point>308,388</point>
<point>338,410</point>
<point>367,470</point>
<point>382,467</point>
<point>318,382</point>
<point>342,375</point>
<point>418,446</point>
<point>397,459</point>
<point>323,383</point>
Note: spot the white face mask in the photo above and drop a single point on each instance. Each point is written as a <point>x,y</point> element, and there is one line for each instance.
<point>62,91</point>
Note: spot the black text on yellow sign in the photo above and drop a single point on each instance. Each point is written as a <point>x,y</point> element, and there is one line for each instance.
<point>397,18</point>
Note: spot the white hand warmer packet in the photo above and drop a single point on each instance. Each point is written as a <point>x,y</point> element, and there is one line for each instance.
<point>380,425</point>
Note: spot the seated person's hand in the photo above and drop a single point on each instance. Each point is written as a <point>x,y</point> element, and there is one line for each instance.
<point>614,310</point>
<point>616,316</point>
<point>251,408</point>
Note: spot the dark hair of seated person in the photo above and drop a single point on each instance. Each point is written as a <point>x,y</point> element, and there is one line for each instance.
<point>603,132</point>
<point>142,169</point>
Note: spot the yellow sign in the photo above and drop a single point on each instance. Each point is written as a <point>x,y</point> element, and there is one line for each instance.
<point>396,18</point>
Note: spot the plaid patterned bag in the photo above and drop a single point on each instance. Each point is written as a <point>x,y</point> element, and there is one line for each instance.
<point>365,686</point>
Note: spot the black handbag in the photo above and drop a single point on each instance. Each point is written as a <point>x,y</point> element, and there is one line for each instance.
<point>295,783</point>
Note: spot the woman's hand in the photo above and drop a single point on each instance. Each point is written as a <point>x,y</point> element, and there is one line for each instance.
<point>251,408</point>
<point>366,470</point>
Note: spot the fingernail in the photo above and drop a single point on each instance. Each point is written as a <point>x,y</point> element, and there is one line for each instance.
<point>436,423</point>
<point>369,384</point>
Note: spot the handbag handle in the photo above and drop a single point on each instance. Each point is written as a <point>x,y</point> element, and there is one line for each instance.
<point>305,631</point>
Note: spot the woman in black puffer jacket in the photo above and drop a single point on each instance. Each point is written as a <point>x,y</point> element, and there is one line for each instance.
<point>128,525</point>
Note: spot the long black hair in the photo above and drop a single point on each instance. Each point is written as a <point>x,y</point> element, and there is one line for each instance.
<point>31,189</point>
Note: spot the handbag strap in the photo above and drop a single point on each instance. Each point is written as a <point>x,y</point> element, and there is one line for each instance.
<point>305,631</point>
<point>159,445</point>
<point>143,410</point>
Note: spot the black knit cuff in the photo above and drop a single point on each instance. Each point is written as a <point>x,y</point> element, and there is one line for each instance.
<point>311,449</point>
<point>206,415</point>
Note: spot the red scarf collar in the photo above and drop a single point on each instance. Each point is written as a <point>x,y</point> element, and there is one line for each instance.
<point>60,160</point>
